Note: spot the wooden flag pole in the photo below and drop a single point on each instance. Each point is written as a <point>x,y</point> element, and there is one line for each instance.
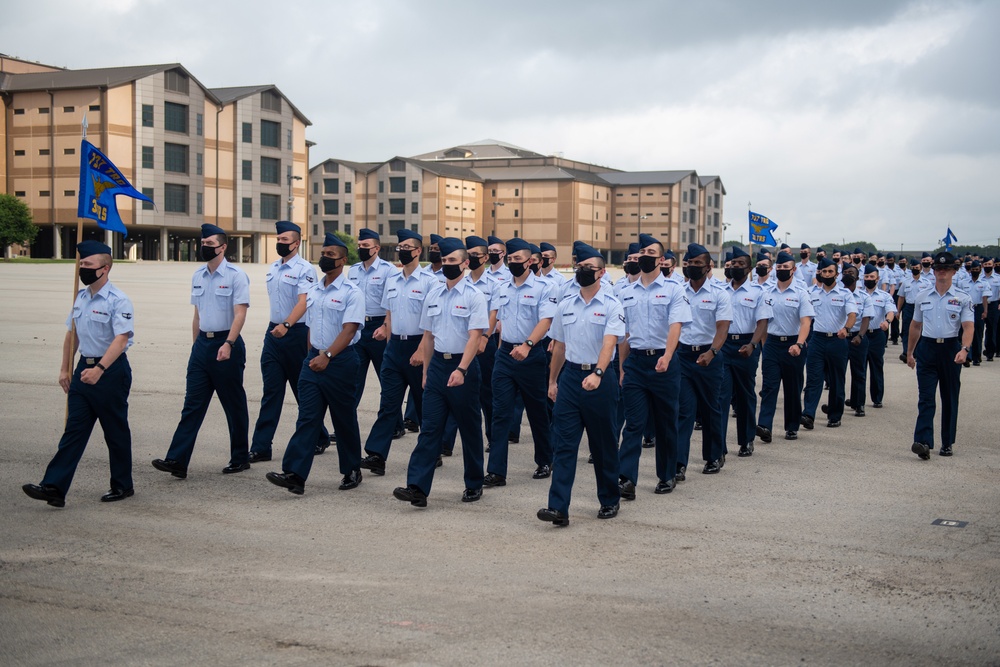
<point>750,244</point>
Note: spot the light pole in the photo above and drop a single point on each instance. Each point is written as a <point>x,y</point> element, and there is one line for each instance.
<point>495,221</point>
<point>787,234</point>
<point>291,199</point>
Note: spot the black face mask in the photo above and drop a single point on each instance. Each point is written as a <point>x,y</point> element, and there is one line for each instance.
<point>915,270</point>
<point>827,280</point>
<point>89,276</point>
<point>804,255</point>
<point>784,275</point>
<point>452,271</point>
<point>666,271</point>
<point>881,263</point>
<point>926,265</point>
<point>327,264</point>
<point>405,256</point>
<point>632,268</point>
<point>738,273</point>
<point>517,269</point>
<point>283,249</point>
<point>647,263</point>
<point>434,257</point>
<point>870,284</point>
<point>762,271</point>
<point>364,254</point>
<point>975,274</point>
<point>586,276</point>
<point>475,263</point>
<point>695,272</point>
<point>728,273</point>
<point>535,268</point>
<point>495,258</point>
<point>848,280</point>
<point>208,253</point>
<point>988,269</point>
<point>546,262</point>
<point>891,264</point>
<point>857,260</point>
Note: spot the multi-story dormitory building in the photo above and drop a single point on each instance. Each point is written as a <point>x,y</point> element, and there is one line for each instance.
<point>490,187</point>
<point>234,157</point>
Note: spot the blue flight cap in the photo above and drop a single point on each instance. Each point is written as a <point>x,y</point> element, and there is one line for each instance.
<point>870,268</point>
<point>976,264</point>
<point>858,251</point>
<point>784,258</point>
<point>449,245</point>
<point>282,226</point>
<point>739,252</point>
<point>785,246</point>
<point>694,250</point>
<point>535,250</point>
<point>514,245</point>
<point>368,235</point>
<point>729,256</point>
<point>669,254</point>
<point>546,246</point>
<point>88,248</point>
<point>890,255</point>
<point>495,240</point>
<point>210,230</point>
<point>762,257</point>
<point>633,249</point>
<point>332,240</point>
<point>819,250</point>
<point>475,242</point>
<point>823,263</point>
<point>924,254</point>
<point>584,251</point>
<point>409,235</point>
<point>436,239</point>
<point>646,240</point>
<point>804,246</point>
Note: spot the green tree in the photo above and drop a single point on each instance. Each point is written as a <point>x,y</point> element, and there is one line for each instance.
<point>352,247</point>
<point>15,222</point>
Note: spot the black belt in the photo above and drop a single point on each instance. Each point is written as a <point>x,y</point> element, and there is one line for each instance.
<point>297,325</point>
<point>825,334</point>
<point>323,351</point>
<point>784,339</point>
<point>872,332</point>
<point>582,367</point>
<point>855,332</point>
<point>939,341</point>
<point>406,336</point>
<point>374,318</point>
<point>214,334</point>
<point>648,353</point>
<point>739,336</point>
<point>449,356</point>
<point>92,361</point>
<point>695,348</point>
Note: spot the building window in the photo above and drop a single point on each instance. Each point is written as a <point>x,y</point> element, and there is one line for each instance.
<point>43,110</point>
<point>199,162</point>
<point>69,193</point>
<point>684,216</point>
<point>331,186</point>
<point>684,196</point>
<point>270,134</point>
<point>175,117</point>
<point>69,151</point>
<point>19,193</point>
<point>347,229</point>
<point>315,209</point>
<point>347,208</point>
<point>44,193</point>
<point>147,115</point>
<point>397,207</point>
<point>516,213</point>
<point>693,217</point>
<point>716,201</point>
<point>397,165</point>
<point>381,187</point>
<point>270,101</point>
<point>18,112</point>
<point>94,107</point>
<point>147,205</point>
<point>270,207</point>
<point>199,124</point>
<point>247,170</point>
<point>198,203</point>
<point>248,207</point>
<point>331,207</point>
<point>684,237</point>
<point>397,184</point>
<point>43,151</point>
<point>331,168</point>
<point>715,219</point>
<point>248,133</point>
<point>517,192</point>
<point>175,80</point>
<point>175,158</point>
<point>288,139</point>
<point>414,207</point>
<point>19,152</point>
<point>331,226</point>
<point>270,172</point>
<point>396,225</point>
<point>381,208</point>
<point>414,186</point>
<point>315,188</point>
<point>694,197</point>
<point>175,198</point>
<point>147,157</point>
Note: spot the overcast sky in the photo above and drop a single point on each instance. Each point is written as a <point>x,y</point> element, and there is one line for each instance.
<point>858,119</point>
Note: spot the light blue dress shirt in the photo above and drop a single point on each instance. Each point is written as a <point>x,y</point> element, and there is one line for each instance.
<point>521,308</point>
<point>865,309</point>
<point>285,282</point>
<point>215,295</point>
<point>832,308</point>
<point>650,310</point>
<point>942,315</point>
<point>582,326</point>
<point>450,314</point>
<point>99,318</point>
<point>788,307</point>
<point>882,304</point>
<point>749,307</point>
<point>709,305</point>
<point>329,307</point>
<point>372,282</point>
<point>404,298</point>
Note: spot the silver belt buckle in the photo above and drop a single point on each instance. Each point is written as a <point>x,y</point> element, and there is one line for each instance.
<point>209,334</point>
<point>447,355</point>
<point>586,367</point>
<point>939,340</point>
<point>90,361</point>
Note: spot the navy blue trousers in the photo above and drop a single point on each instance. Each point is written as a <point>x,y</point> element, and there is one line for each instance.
<point>397,375</point>
<point>486,361</point>
<point>826,361</point>
<point>107,402</point>
<point>979,325</point>
<point>781,370</point>
<point>440,403</point>
<point>650,399</point>
<point>992,334</point>
<point>857,356</point>
<point>280,364</point>
<point>330,390</point>
<point>907,317</point>
<point>739,388</point>
<point>699,400</point>
<point>575,410</point>
<point>877,341</point>
<point>937,371</point>
<point>206,376</point>
<point>529,380</point>
<point>371,352</point>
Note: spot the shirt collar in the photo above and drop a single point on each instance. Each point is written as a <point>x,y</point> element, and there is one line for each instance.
<point>337,283</point>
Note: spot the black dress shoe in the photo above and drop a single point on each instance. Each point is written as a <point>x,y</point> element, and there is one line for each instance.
<point>398,433</point>
<point>807,421</point>
<point>764,434</point>
<point>350,481</point>
<point>791,435</point>
<point>712,467</point>
<point>608,511</point>
<point>681,473</point>
<point>876,405</point>
<point>411,425</point>
<point>902,357</point>
<point>746,450</point>
<point>117,494</point>
<point>287,480</point>
<point>921,450</point>
<point>833,423</point>
<point>449,452</point>
<point>375,463</point>
<point>320,448</point>
<point>542,472</point>
<point>513,439</point>
<point>492,479</point>
<point>410,494</point>
<point>171,466</point>
<point>732,414</point>
<point>945,451</point>
<point>554,517</point>
<point>471,495</point>
<point>590,459</point>
<point>486,449</point>
<point>665,487</point>
<point>975,363</point>
<point>860,412</point>
<point>848,403</point>
<point>440,462</point>
<point>257,457</point>
<point>235,467</point>
<point>825,410</point>
<point>697,426</point>
<point>626,488</point>
<point>648,443</point>
<point>967,363</point>
<point>48,493</point>
<point>333,438</point>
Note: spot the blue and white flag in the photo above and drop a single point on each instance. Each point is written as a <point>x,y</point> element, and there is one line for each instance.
<point>100,183</point>
<point>760,229</point>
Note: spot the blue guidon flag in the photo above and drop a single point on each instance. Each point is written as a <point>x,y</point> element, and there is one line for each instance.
<point>100,183</point>
<point>760,229</point>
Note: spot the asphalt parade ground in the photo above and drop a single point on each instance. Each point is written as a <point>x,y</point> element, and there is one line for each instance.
<point>820,551</point>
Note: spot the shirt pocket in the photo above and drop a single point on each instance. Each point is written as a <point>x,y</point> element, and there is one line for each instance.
<point>706,304</point>
<point>461,310</point>
<point>99,318</point>
<point>335,304</point>
<point>224,291</point>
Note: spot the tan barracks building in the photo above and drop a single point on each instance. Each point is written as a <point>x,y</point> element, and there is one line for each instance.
<point>493,188</point>
<point>235,157</point>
